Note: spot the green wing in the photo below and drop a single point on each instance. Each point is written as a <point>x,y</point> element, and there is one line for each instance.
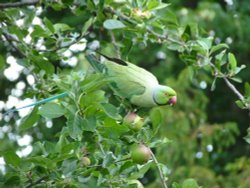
<point>127,79</point>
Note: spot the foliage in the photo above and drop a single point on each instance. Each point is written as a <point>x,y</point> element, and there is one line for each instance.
<point>81,140</point>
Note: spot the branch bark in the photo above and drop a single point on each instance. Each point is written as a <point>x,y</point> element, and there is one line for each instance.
<point>163,181</point>
<point>236,92</point>
<point>18,4</point>
<point>231,86</point>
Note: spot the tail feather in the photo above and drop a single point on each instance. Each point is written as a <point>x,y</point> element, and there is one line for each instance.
<point>113,59</point>
<point>95,63</point>
<point>38,102</point>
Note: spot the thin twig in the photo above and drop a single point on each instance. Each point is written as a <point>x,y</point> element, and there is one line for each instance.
<point>120,15</point>
<point>18,4</point>
<point>159,170</point>
<point>230,85</point>
<point>236,92</point>
<point>62,46</point>
<point>10,40</point>
<point>131,21</point>
<point>36,182</point>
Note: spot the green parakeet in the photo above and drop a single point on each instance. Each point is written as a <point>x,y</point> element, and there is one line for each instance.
<point>134,83</point>
<point>128,81</point>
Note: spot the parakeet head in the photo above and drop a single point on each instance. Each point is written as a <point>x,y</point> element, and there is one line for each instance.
<point>164,95</point>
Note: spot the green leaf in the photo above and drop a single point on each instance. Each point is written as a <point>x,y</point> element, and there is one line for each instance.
<point>232,62</point>
<point>221,58</point>
<point>89,124</point>
<point>41,63</point>
<point>29,120</point>
<point>155,5</point>
<point>113,24</point>
<point>111,111</point>
<point>156,118</point>
<point>14,29</point>
<point>159,142</point>
<point>42,161</point>
<point>205,43</point>
<point>213,86</point>
<point>51,110</point>
<point>87,25</point>
<point>12,179</point>
<point>247,90</point>
<point>190,183</point>
<point>247,138</point>
<point>61,27</point>
<point>238,69</point>
<point>112,130</point>
<point>108,159</point>
<point>236,79</point>
<point>218,47</point>
<point>74,123</point>
<point>176,185</point>
<point>68,167</point>
<point>49,25</point>
<point>38,32</point>
<point>2,62</point>
<point>142,170</point>
<point>11,158</point>
<point>240,104</point>
<point>165,170</point>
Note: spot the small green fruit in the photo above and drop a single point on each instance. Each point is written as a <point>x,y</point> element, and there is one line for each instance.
<point>133,121</point>
<point>140,153</point>
<point>85,161</point>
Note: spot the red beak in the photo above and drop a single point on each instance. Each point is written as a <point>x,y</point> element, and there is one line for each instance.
<point>172,101</point>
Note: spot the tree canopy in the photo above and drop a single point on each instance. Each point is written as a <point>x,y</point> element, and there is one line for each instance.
<point>94,138</point>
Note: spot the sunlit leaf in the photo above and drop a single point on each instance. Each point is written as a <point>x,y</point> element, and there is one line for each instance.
<point>11,158</point>
<point>232,62</point>
<point>111,111</point>
<point>113,24</point>
<point>218,47</point>
<point>87,25</point>
<point>247,90</point>
<point>29,120</point>
<point>240,104</point>
<point>190,183</point>
<point>49,25</point>
<point>51,110</point>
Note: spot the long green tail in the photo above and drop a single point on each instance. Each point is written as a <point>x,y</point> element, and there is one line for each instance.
<point>95,63</point>
<point>39,102</point>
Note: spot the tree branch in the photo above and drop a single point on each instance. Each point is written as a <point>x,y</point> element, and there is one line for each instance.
<point>159,170</point>
<point>37,182</point>
<point>18,4</point>
<point>236,92</point>
<point>10,40</point>
<point>131,21</point>
<point>233,88</point>
<point>62,46</point>
<point>230,85</point>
